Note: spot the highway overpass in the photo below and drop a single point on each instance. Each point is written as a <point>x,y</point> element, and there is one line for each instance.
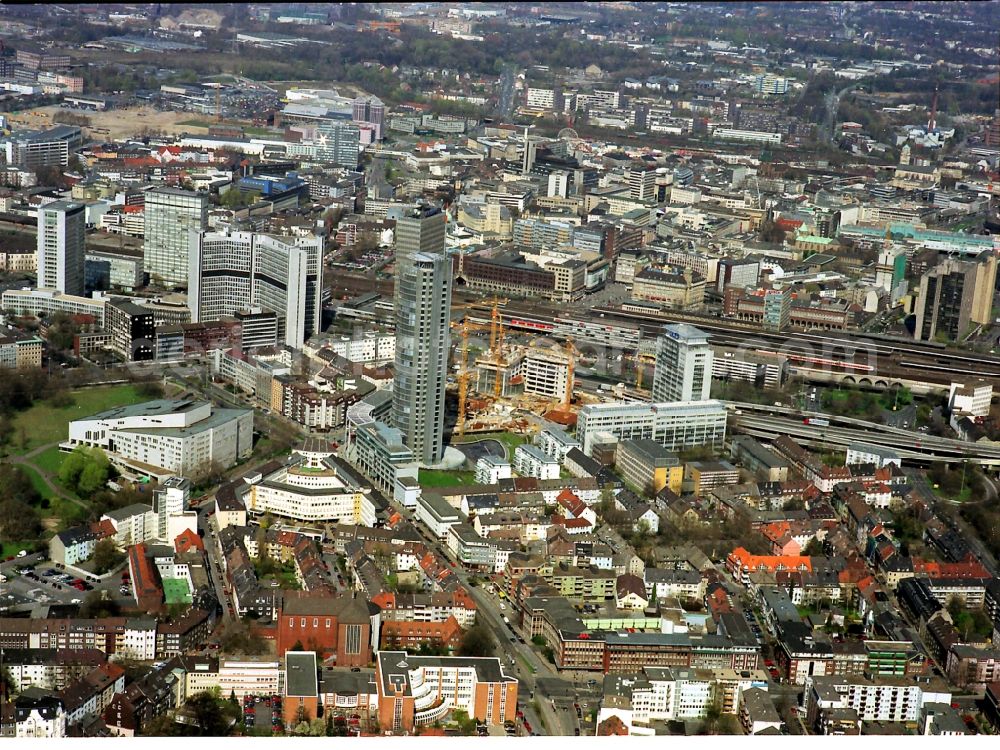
<point>770,422</point>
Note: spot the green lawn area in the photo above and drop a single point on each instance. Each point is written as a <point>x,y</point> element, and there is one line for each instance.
<point>36,481</point>
<point>437,478</point>
<point>247,129</point>
<point>44,423</point>
<point>8,549</point>
<point>49,460</point>
<point>962,496</point>
<point>175,591</point>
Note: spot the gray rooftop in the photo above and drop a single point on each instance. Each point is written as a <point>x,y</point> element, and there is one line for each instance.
<point>300,674</point>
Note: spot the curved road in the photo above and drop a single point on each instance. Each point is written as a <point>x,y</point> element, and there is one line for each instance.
<point>832,105</point>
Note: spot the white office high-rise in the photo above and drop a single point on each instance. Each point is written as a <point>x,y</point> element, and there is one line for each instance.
<point>233,271</point>
<point>683,365</point>
<point>61,232</point>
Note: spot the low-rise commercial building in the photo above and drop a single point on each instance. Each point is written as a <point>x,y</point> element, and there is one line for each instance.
<point>647,465</point>
<point>676,426</point>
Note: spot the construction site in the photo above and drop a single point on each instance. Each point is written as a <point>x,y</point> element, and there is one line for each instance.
<point>499,380</point>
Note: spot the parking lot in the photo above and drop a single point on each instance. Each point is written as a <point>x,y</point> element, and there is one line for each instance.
<point>35,580</point>
<point>262,713</point>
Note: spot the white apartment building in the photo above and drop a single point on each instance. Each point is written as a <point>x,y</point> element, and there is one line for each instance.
<point>677,426</point>
<point>163,437</point>
<point>170,498</point>
<point>369,347</point>
<point>529,461</point>
<point>555,442</point>
<point>543,98</point>
<point>251,677</point>
<point>40,718</point>
<point>140,639</point>
<point>672,694</point>
<point>133,524</point>
<point>863,453</point>
<point>313,487</point>
<point>891,699</point>
<point>973,399</point>
<point>762,368</point>
<point>490,470</point>
<point>437,515</point>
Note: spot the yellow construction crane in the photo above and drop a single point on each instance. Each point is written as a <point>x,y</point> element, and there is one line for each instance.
<point>640,361</point>
<point>496,353</point>
<point>573,352</point>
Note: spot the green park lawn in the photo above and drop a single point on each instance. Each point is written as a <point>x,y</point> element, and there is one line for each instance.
<point>247,129</point>
<point>49,460</point>
<point>9,549</point>
<point>36,481</point>
<point>43,423</point>
<point>438,478</point>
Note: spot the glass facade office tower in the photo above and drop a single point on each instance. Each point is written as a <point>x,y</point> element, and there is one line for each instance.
<point>170,213</point>
<point>61,229</point>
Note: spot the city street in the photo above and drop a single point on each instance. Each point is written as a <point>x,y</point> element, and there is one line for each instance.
<point>518,657</point>
<point>919,481</point>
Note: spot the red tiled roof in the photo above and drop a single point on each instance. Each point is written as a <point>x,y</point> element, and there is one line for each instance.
<point>188,540</point>
<point>770,563</point>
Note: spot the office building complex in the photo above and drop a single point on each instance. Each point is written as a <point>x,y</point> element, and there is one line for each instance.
<point>43,148</point>
<point>770,84</point>
<point>683,365</point>
<point>234,273</point>
<point>61,226</point>
<point>422,309</point>
<point>675,425</point>
<point>20,351</point>
<point>421,230</point>
<point>52,301</point>
<point>420,690</point>
<point>312,487</point>
<point>170,213</point>
<point>338,142</point>
<point>132,329</point>
<point>379,452</point>
<point>369,110</point>
<point>954,296</point>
